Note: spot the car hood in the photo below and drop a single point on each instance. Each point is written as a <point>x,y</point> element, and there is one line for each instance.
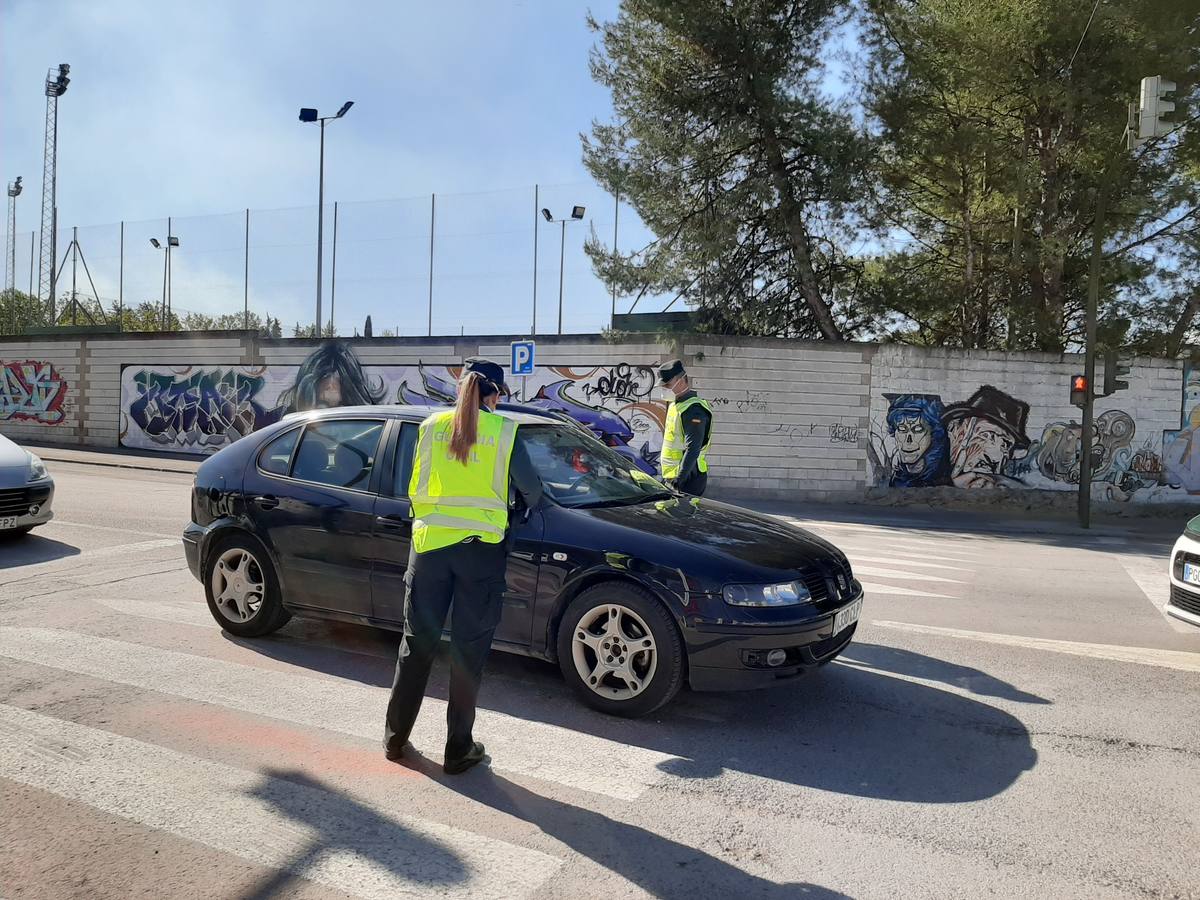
<point>722,541</point>
<point>14,463</point>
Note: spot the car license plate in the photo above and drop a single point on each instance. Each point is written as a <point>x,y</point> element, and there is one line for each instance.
<point>10,522</point>
<point>847,617</point>
<point>1191,573</point>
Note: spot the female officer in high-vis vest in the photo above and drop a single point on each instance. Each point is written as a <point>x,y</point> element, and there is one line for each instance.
<point>687,434</point>
<point>462,467</point>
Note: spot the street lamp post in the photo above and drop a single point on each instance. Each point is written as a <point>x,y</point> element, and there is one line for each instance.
<point>576,215</point>
<point>310,115</point>
<point>172,241</point>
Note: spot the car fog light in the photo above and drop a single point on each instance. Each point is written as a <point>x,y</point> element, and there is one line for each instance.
<point>35,509</point>
<point>776,657</point>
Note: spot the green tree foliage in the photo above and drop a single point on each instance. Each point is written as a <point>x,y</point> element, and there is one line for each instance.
<point>997,122</point>
<point>991,126</point>
<point>723,144</point>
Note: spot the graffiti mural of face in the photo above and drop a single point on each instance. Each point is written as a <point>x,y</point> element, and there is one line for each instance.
<point>913,439</point>
<point>329,391</point>
<point>980,449</point>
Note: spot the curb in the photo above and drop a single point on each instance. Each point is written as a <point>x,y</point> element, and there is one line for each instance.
<point>111,463</point>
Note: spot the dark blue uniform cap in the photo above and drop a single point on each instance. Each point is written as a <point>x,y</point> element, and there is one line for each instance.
<point>492,372</point>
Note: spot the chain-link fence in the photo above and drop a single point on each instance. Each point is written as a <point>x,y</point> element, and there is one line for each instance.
<point>439,264</point>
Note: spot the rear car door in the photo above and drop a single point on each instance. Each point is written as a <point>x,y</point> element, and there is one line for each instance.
<point>318,515</point>
<point>393,541</point>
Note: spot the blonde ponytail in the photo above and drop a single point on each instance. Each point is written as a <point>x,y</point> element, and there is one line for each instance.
<point>466,417</point>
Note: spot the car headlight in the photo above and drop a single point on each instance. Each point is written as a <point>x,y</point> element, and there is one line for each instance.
<point>37,468</point>
<point>791,593</point>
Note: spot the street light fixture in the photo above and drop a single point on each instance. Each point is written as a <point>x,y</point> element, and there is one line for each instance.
<point>172,241</point>
<point>576,215</point>
<point>311,115</point>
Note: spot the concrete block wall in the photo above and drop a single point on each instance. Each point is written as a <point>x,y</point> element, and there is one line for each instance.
<point>794,420</point>
<point>791,417</point>
<point>1030,408</point>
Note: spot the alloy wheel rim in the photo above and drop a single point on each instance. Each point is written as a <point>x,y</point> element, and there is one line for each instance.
<point>614,652</point>
<point>238,585</point>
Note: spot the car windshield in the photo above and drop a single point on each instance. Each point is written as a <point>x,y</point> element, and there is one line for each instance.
<point>576,470</point>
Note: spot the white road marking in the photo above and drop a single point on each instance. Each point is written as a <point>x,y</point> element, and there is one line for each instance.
<point>614,769</point>
<point>899,573</point>
<point>58,521</point>
<point>318,834</point>
<point>20,572</point>
<point>1148,656</point>
<point>1150,574</point>
<point>896,561</point>
<point>871,587</point>
<point>196,614</point>
<point>917,550</point>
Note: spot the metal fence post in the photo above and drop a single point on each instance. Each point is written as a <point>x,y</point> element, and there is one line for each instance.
<point>432,214</point>
<point>121,282</point>
<point>246,278</point>
<point>533,327</point>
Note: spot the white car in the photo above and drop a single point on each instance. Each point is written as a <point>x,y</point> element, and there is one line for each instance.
<point>1185,575</point>
<point>26,490</point>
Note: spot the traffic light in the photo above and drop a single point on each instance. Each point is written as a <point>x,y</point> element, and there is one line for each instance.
<point>1114,368</point>
<point>1079,390</point>
<point>1153,106</point>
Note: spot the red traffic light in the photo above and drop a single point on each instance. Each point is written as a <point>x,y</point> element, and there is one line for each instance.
<point>1079,390</point>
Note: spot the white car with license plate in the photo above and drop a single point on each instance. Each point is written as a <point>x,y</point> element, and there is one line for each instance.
<point>26,490</point>
<point>1185,575</point>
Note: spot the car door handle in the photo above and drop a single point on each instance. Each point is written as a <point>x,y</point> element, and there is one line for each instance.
<point>266,501</point>
<point>391,522</point>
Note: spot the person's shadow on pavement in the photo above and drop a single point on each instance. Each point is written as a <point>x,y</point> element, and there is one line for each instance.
<point>660,866</point>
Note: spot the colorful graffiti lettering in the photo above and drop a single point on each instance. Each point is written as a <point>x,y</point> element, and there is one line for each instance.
<point>201,409</point>
<point>32,391</point>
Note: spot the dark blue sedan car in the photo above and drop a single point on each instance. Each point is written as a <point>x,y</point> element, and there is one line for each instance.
<point>631,588</point>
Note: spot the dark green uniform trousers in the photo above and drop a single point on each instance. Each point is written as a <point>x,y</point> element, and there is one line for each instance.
<point>471,574</point>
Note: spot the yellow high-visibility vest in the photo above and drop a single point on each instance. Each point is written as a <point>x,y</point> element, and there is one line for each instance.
<point>452,501</point>
<point>674,446</point>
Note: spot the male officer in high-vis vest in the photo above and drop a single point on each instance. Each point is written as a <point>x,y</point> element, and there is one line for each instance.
<point>688,432</point>
<point>463,464</point>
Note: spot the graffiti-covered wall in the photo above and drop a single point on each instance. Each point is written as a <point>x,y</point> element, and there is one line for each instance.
<point>993,421</point>
<point>793,420</point>
<point>37,391</point>
<point>200,409</point>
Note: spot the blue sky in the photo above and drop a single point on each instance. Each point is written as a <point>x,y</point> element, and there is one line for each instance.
<point>190,110</point>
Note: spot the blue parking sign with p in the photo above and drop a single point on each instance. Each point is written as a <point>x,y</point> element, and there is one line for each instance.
<point>522,357</point>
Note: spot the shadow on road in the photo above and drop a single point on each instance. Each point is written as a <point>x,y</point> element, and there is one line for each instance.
<point>843,729</point>
<point>30,549</point>
<point>906,662</point>
<point>658,865</point>
<point>343,824</point>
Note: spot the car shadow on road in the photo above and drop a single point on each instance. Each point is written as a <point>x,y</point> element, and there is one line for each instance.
<point>31,549</point>
<point>844,728</point>
<point>906,662</point>
<point>342,824</point>
<point>658,865</point>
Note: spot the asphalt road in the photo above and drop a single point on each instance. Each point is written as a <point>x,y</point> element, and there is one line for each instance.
<point>1017,718</point>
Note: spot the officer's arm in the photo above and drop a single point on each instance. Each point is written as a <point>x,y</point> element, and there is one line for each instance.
<point>695,427</point>
<point>524,477</point>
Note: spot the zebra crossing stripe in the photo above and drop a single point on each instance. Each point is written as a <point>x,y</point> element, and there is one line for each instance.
<point>614,769</point>
<point>270,818</point>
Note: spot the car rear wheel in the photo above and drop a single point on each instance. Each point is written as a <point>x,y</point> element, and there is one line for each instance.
<point>242,589</point>
<point>620,650</point>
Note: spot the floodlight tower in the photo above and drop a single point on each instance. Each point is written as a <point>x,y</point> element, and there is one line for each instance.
<point>10,247</point>
<point>56,86</point>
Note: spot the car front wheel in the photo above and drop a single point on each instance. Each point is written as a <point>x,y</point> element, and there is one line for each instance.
<point>620,650</point>
<point>242,590</point>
